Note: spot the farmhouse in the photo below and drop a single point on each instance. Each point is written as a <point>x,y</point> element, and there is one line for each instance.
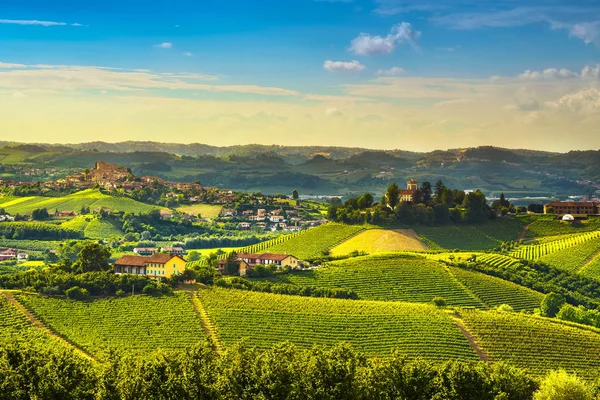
<point>156,266</point>
<point>242,266</point>
<point>247,261</point>
<point>409,193</point>
<point>145,251</point>
<point>12,254</point>
<point>572,207</point>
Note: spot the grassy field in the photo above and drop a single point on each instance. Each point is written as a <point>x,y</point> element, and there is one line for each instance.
<point>377,328</point>
<point>91,198</point>
<point>206,210</point>
<point>93,227</point>
<point>534,343</point>
<point>380,241</point>
<point>494,291</point>
<point>132,324</point>
<point>390,278</point>
<point>313,242</point>
<point>483,236</point>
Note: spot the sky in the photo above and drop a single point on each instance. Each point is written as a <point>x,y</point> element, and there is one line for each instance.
<point>381,74</point>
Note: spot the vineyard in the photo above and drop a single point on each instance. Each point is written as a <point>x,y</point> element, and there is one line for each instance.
<point>537,344</point>
<point>91,198</point>
<point>549,226</point>
<point>92,227</point>
<point>537,251</point>
<point>14,326</point>
<point>390,278</point>
<point>573,258</point>
<point>497,260</point>
<point>592,269</point>
<point>494,291</point>
<point>377,328</point>
<point>470,237</point>
<point>137,324</point>
<point>312,242</point>
<point>374,241</point>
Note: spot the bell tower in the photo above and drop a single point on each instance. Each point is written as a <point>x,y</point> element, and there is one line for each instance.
<point>412,185</point>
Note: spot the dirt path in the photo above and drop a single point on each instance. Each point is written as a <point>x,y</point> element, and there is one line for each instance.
<point>208,326</point>
<point>39,324</point>
<point>472,341</point>
<point>523,232</point>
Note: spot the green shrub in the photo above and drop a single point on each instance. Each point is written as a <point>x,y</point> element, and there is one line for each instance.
<point>559,385</point>
<point>76,293</point>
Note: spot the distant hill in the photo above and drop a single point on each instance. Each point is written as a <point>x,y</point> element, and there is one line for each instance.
<point>327,169</point>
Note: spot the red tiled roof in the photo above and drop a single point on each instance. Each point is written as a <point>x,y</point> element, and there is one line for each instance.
<point>161,258</point>
<point>275,257</point>
<point>132,261</point>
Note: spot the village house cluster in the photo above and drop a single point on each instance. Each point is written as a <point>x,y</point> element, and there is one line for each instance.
<point>291,219</point>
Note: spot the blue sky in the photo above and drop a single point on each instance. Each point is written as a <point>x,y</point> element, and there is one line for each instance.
<point>384,58</point>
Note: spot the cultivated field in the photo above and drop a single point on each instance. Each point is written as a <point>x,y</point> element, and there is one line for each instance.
<point>314,241</point>
<point>380,241</point>
<point>377,328</point>
<point>92,227</point>
<point>132,324</point>
<point>205,210</point>
<point>537,344</point>
<point>564,243</point>
<point>91,198</point>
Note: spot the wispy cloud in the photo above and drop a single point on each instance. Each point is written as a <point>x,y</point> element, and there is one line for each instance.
<point>187,54</point>
<point>548,73</point>
<point>343,66</point>
<point>11,65</point>
<point>36,22</point>
<point>366,44</point>
<point>164,45</point>
<point>394,71</point>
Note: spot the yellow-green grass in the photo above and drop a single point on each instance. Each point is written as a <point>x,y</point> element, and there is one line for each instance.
<point>495,291</point>
<point>535,343</point>
<point>205,210</point>
<point>91,198</point>
<point>380,241</point>
<point>471,237</point>
<point>377,328</point>
<point>93,227</point>
<point>313,242</point>
<point>133,324</point>
<point>389,278</point>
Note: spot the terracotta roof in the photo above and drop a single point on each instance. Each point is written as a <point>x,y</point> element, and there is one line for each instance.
<point>573,204</point>
<point>161,258</point>
<point>132,261</point>
<point>276,257</point>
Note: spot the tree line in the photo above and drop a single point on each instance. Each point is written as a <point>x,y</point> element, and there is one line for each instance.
<point>430,205</point>
<point>283,372</point>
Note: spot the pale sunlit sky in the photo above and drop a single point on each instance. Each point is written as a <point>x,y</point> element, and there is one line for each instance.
<point>416,75</point>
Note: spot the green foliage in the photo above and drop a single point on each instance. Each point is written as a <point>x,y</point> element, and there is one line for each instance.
<point>551,304</point>
<point>76,293</point>
<point>37,231</point>
<point>283,288</point>
<point>439,302</point>
<point>559,385</point>
<point>418,330</point>
<point>93,257</point>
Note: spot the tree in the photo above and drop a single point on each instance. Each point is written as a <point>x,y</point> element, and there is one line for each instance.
<point>76,293</point>
<point>40,214</point>
<point>92,257</point>
<point>439,191</point>
<point>295,194</point>
<point>426,191</point>
<point>476,208</point>
<point>551,304</point>
<point>232,265</point>
<point>439,301</point>
<point>193,256</point>
<point>503,201</point>
<point>392,195</point>
<point>559,385</point>
<point>365,201</point>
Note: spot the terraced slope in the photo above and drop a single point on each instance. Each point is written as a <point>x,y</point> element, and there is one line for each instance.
<point>390,278</point>
<point>565,243</point>
<point>377,328</point>
<point>375,241</point>
<point>535,343</point>
<point>313,242</point>
<point>137,324</point>
<point>483,236</point>
<point>494,291</point>
<point>91,198</point>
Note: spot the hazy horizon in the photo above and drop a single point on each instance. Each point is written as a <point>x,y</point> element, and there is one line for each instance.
<point>379,74</point>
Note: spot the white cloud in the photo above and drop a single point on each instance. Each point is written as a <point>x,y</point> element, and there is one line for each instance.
<point>585,101</point>
<point>35,22</point>
<point>548,73</point>
<point>187,54</point>
<point>333,112</point>
<point>366,44</point>
<point>589,32</point>
<point>344,66</point>
<point>10,65</point>
<point>455,102</point>
<point>394,71</point>
<point>165,45</point>
<point>591,72</point>
<point>524,100</point>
